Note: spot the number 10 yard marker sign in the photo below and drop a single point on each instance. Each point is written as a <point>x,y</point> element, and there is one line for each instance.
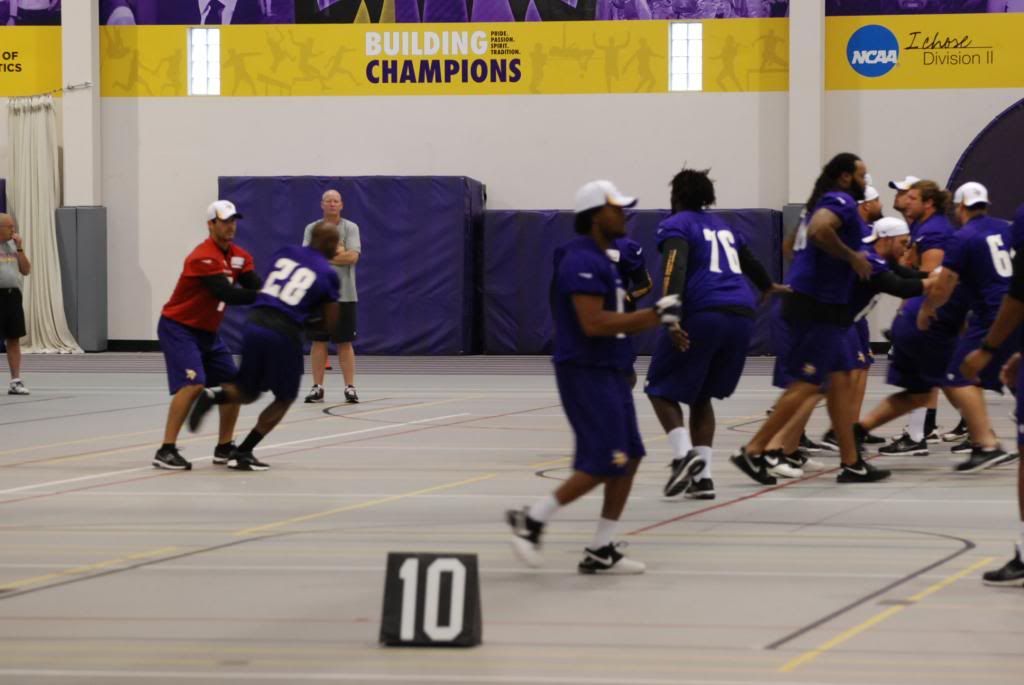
<point>431,600</point>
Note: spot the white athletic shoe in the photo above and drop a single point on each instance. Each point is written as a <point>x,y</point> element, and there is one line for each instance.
<point>17,388</point>
<point>778,467</point>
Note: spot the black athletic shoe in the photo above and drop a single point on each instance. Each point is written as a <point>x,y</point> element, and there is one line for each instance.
<point>933,437</point>
<point>350,394</point>
<point>171,459</point>
<point>829,441</point>
<point>868,438</point>
<point>221,453</point>
<point>246,461</point>
<point>609,560</point>
<point>755,467</point>
<point>704,488</point>
<point>982,459</point>
<point>861,472</point>
<point>527,532</point>
<point>957,434</point>
<point>200,408</point>
<point>964,447</point>
<point>807,444</point>
<point>1012,574</point>
<point>683,472</point>
<point>903,445</point>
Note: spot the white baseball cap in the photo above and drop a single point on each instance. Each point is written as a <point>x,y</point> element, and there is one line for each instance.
<point>223,210</point>
<point>887,227</point>
<point>870,193</point>
<point>904,184</point>
<point>970,194</point>
<point>600,193</point>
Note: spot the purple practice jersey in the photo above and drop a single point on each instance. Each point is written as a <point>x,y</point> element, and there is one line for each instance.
<point>714,277</point>
<point>301,281</point>
<point>630,257</point>
<point>582,268</point>
<point>931,234</point>
<point>980,254</point>
<point>816,273</point>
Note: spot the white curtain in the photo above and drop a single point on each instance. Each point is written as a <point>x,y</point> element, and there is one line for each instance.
<point>33,195</point>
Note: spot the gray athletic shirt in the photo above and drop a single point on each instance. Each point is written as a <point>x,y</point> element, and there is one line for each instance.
<point>10,277</point>
<point>346,274</point>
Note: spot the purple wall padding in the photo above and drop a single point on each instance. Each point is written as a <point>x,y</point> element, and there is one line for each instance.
<point>518,248</point>
<point>415,273</point>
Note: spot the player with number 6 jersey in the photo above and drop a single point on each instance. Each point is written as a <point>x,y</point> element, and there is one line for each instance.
<point>301,285</point>
<point>977,258</point>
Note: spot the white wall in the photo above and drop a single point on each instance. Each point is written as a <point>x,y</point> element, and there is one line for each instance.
<point>161,159</point>
<point>913,132</point>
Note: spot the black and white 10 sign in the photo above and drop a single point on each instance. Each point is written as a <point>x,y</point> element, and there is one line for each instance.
<point>431,600</point>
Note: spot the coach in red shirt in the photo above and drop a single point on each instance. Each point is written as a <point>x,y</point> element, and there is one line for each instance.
<point>195,355</point>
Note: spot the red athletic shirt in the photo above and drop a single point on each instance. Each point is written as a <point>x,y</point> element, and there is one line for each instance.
<point>192,303</point>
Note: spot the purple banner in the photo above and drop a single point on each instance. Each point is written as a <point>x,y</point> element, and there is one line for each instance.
<point>212,12</point>
<point>21,13</point>
<point>845,8</point>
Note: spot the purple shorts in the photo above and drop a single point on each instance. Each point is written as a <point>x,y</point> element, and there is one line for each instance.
<point>816,350</point>
<point>599,405</point>
<point>918,359</point>
<point>193,356</point>
<point>711,367</point>
<point>271,361</point>
<point>860,342</point>
<point>970,341</point>
<point>781,341</point>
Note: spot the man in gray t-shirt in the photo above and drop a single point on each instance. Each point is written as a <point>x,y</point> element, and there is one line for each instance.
<point>344,263</point>
<point>14,266</point>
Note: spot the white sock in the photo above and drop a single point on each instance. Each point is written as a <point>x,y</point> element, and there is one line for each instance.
<point>679,439</point>
<point>16,380</point>
<point>706,453</point>
<point>544,509</point>
<point>604,533</point>
<point>915,424</point>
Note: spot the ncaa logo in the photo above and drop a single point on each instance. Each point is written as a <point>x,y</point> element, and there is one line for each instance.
<point>873,51</point>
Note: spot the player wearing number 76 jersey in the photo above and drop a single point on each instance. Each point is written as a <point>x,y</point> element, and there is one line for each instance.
<point>301,285</point>
<point>706,264</point>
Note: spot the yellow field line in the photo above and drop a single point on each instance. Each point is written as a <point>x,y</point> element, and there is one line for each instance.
<point>853,632</point>
<point>362,505</point>
<point>87,568</point>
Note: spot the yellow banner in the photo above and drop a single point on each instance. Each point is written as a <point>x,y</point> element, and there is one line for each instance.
<point>746,55</point>
<point>447,59</point>
<point>143,61</point>
<point>924,51</point>
<point>30,60</point>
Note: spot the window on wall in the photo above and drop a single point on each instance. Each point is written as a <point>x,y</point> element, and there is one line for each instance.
<point>685,68</point>
<point>204,61</point>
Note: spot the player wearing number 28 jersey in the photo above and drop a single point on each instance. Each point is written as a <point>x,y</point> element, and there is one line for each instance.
<point>301,284</point>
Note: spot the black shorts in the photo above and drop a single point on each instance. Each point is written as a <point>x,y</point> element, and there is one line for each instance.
<point>346,325</point>
<point>12,315</point>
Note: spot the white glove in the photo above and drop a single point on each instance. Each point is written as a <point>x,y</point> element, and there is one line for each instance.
<point>669,309</point>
